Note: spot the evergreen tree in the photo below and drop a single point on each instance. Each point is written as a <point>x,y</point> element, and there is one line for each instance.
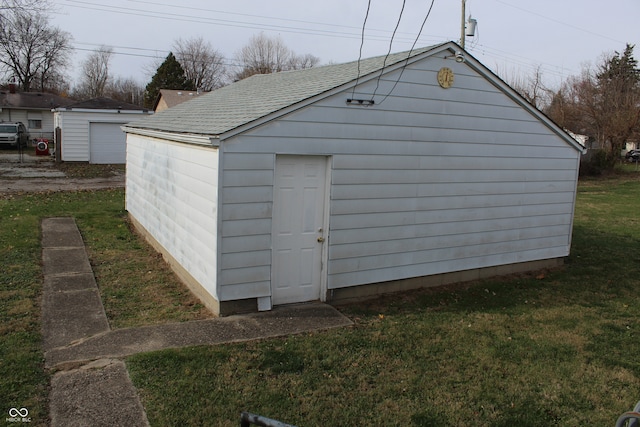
<point>617,101</point>
<point>170,75</point>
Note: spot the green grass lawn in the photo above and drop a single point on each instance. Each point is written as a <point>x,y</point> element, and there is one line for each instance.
<point>553,348</point>
<point>558,348</point>
<point>136,286</point>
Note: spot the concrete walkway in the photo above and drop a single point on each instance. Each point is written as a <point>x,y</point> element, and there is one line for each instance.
<point>91,385</point>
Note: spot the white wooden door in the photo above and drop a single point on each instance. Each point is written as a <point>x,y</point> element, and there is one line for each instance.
<point>298,236</point>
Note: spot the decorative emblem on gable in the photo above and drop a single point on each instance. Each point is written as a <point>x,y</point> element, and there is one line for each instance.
<point>445,77</point>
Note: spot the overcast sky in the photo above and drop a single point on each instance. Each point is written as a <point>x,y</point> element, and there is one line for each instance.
<point>513,37</point>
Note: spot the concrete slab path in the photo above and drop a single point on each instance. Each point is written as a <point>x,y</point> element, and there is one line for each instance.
<point>91,385</point>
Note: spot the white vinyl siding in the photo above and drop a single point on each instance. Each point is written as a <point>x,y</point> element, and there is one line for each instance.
<point>172,191</point>
<point>247,195</point>
<point>429,181</point>
<point>76,130</point>
<point>45,117</point>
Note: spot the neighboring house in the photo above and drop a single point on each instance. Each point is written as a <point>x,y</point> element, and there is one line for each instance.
<point>90,131</point>
<point>168,98</point>
<point>33,109</point>
<point>583,140</point>
<point>344,181</point>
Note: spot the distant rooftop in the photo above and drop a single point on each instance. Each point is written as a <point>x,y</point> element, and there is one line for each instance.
<point>168,98</point>
<point>32,100</point>
<point>103,103</point>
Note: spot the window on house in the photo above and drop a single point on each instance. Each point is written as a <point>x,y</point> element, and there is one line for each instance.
<point>35,124</point>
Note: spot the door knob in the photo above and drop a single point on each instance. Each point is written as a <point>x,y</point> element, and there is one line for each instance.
<point>321,239</point>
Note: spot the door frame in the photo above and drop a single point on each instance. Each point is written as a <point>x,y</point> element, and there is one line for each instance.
<point>324,252</point>
<point>324,257</point>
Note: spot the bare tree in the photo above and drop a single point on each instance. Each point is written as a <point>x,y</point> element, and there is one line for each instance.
<point>265,55</point>
<point>202,64</point>
<point>126,90</point>
<point>300,62</point>
<point>31,49</point>
<point>531,87</point>
<point>95,73</point>
<point>30,6</point>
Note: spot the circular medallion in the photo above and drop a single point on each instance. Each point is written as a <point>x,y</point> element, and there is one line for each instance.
<point>445,77</point>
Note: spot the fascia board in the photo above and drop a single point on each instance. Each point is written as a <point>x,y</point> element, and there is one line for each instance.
<point>187,138</point>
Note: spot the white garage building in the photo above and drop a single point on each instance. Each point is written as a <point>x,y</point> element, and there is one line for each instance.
<point>90,131</point>
<point>354,179</point>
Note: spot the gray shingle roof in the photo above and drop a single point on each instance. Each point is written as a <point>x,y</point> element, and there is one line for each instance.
<point>103,103</point>
<point>32,100</point>
<point>255,97</point>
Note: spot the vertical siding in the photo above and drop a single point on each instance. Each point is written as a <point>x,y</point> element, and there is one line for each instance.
<point>426,181</point>
<point>75,137</point>
<point>172,190</point>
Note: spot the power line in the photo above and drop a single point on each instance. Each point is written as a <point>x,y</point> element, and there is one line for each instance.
<point>409,54</point>
<point>384,63</point>
<point>344,31</point>
<point>557,21</point>
<point>519,60</point>
<point>140,55</point>
<point>215,21</point>
<point>247,15</point>
<point>364,24</point>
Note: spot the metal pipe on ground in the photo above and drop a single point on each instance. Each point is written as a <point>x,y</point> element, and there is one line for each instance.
<point>247,419</point>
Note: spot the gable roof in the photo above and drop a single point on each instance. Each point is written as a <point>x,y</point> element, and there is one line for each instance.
<point>103,103</point>
<point>173,97</point>
<point>32,100</point>
<point>237,104</point>
<point>262,96</point>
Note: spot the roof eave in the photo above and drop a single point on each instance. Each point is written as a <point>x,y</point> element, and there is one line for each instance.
<point>102,110</point>
<point>187,138</point>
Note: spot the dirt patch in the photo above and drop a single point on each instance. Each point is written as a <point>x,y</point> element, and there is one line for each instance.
<point>44,185</point>
<point>28,173</point>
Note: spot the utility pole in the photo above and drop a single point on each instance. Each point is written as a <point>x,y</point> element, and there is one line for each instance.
<point>462,24</point>
<point>467,28</point>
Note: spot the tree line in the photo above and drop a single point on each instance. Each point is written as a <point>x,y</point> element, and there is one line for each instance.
<point>603,102</point>
<point>35,56</point>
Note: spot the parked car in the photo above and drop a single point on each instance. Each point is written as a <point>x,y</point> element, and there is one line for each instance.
<point>13,134</point>
<point>633,155</point>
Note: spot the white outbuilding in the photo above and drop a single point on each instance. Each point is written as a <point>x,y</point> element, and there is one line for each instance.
<point>90,131</point>
<point>338,182</point>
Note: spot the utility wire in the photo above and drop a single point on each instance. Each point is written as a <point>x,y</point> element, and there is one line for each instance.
<point>364,24</point>
<point>552,69</point>
<point>199,19</point>
<point>384,63</point>
<point>409,54</point>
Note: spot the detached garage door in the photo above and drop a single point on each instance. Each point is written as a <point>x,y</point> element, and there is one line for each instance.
<point>107,143</point>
